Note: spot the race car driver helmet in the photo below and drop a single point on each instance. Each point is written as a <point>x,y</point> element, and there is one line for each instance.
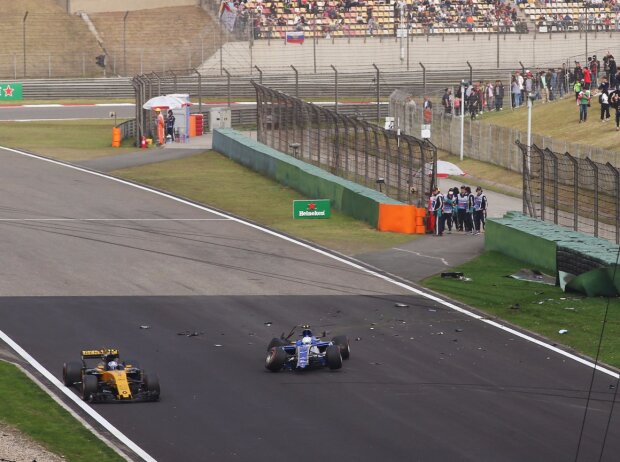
<point>306,333</point>
<point>307,340</point>
<point>112,365</point>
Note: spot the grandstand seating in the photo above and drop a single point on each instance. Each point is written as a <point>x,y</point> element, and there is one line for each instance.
<point>569,16</point>
<point>479,17</point>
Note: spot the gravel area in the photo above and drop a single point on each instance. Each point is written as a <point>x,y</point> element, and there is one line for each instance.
<point>17,447</point>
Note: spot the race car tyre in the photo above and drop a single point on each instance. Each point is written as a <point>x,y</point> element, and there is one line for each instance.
<point>275,359</point>
<point>72,373</point>
<point>333,356</point>
<point>132,363</point>
<point>151,384</point>
<point>89,387</point>
<point>275,342</point>
<point>343,343</point>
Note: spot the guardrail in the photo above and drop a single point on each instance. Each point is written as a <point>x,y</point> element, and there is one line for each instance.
<point>351,85</point>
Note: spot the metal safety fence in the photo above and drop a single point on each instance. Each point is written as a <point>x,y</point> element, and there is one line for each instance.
<point>480,140</point>
<point>401,166</point>
<point>575,193</point>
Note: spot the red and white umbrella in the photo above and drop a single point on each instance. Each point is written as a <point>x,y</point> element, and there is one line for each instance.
<point>164,102</point>
<point>445,169</point>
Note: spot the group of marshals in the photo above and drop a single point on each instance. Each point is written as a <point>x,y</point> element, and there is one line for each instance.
<point>462,210</point>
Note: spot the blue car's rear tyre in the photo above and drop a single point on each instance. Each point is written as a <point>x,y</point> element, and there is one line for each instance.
<point>343,343</point>
<point>275,342</point>
<point>89,387</point>
<point>72,373</point>
<point>333,357</point>
<point>276,357</point>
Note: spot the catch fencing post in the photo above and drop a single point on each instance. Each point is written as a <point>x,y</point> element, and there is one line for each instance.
<point>596,193</point>
<point>227,85</point>
<point>378,93</point>
<point>336,86</point>
<point>616,174</point>
<point>471,73</point>
<point>260,74</point>
<point>297,81</point>
<point>423,77</point>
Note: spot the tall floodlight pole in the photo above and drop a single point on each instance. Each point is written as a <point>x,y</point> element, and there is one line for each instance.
<point>462,118</point>
<point>125,42</point>
<point>529,131</point>
<point>24,39</point>
<point>401,31</point>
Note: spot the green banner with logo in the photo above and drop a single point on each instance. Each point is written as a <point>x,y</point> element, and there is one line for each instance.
<point>11,91</point>
<point>319,208</point>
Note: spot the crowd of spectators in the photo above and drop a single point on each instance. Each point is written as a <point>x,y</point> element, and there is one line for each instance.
<point>385,16</point>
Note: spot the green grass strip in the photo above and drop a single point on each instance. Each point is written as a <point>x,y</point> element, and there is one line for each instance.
<point>213,179</point>
<point>29,409</point>
<point>542,309</point>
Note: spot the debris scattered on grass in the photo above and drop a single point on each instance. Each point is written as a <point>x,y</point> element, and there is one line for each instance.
<point>563,331</point>
<point>516,306</point>
<point>570,308</point>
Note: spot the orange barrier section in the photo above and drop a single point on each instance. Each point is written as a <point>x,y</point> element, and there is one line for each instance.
<point>116,137</point>
<point>192,125</point>
<point>401,218</point>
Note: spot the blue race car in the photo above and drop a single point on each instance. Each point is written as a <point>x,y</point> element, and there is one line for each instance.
<point>309,352</point>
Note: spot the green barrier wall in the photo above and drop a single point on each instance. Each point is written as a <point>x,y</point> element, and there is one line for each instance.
<point>351,198</point>
<point>507,235</point>
<point>548,246</point>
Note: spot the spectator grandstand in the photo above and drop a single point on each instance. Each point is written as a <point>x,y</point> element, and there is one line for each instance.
<point>573,16</point>
<point>351,18</point>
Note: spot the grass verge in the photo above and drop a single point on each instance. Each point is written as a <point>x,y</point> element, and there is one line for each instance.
<point>560,120</point>
<point>28,408</point>
<point>213,179</point>
<point>543,309</point>
<point>66,139</point>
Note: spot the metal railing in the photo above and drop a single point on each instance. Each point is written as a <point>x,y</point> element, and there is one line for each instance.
<point>403,167</point>
<point>575,193</point>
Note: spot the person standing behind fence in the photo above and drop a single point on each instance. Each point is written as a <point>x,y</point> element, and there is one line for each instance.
<point>480,209</point>
<point>583,103</point>
<point>615,103</point>
<point>446,101</point>
<point>604,100</point>
<point>170,125</point>
<point>498,92</point>
<point>516,93</point>
<point>160,127</point>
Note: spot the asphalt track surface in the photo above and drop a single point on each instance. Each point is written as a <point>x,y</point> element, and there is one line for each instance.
<point>87,261</point>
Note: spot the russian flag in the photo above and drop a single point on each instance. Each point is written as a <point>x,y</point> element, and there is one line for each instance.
<point>295,37</point>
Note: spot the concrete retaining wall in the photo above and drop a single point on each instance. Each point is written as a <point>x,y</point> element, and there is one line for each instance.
<point>106,6</point>
<point>351,198</point>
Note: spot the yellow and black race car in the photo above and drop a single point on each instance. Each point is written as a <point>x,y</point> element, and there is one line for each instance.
<point>110,379</point>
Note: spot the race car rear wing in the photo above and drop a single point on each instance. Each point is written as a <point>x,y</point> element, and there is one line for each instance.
<point>99,353</point>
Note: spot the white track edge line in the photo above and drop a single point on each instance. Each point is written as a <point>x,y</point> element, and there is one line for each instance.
<point>337,258</point>
<point>73,397</point>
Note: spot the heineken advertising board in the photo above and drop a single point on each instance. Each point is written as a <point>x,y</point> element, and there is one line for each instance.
<point>11,91</point>
<point>319,208</point>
